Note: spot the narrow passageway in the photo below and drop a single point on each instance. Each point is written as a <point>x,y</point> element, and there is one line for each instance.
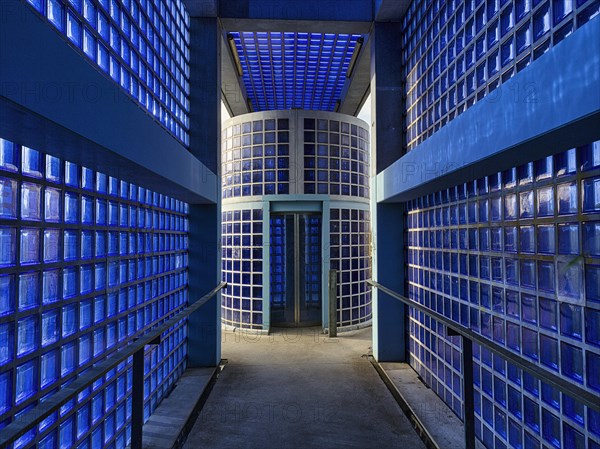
<point>298,389</point>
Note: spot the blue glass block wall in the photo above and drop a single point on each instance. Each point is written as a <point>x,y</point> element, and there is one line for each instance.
<point>336,158</point>
<point>350,253</point>
<point>458,51</point>
<point>514,256</point>
<point>256,158</point>
<point>242,268</point>
<point>88,262</point>
<point>142,45</point>
<point>294,70</point>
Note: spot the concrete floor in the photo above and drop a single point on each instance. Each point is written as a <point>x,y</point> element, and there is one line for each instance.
<point>298,389</point>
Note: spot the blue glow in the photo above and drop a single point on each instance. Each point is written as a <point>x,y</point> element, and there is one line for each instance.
<point>294,70</point>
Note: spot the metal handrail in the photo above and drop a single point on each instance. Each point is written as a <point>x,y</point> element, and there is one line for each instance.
<point>468,337</point>
<point>136,349</point>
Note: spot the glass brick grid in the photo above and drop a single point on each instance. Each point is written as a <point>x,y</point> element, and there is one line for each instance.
<point>256,158</point>
<point>456,52</point>
<point>336,158</point>
<point>294,70</point>
<point>515,257</point>
<point>87,263</point>
<point>142,45</point>
<point>350,253</point>
<point>242,268</point>
<point>278,259</point>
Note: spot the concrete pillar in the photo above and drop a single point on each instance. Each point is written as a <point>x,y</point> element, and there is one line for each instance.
<point>204,328</point>
<point>387,146</point>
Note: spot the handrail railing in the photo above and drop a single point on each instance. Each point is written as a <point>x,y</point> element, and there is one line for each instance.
<point>44,409</point>
<point>468,336</point>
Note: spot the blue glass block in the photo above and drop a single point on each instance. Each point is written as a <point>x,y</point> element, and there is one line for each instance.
<point>548,314</point>
<point>567,198</point>
<point>85,277</point>
<point>592,367</point>
<point>551,428</point>
<point>31,162</point>
<point>28,290</point>
<point>50,327</point>
<point>52,205</point>
<point>7,294</point>
<point>511,271</point>
<point>71,208</point>
<point>545,235</point>
<point>8,193</point>
<point>528,273</point>
<point>25,384</point>
<point>546,279</point>
<point>573,409</point>
<point>592,326</point>
<point>5,391</point>
<point>589,156</point>
<point>66,430</point>
<point>571,438</point>
<point>68,357</point>
<point>69,320</point>
<point>70,247</point>
<point>591,194</point>
<point>592,282</point>
<point>545,201</point>
<point>515,398</point>
<point>30,201</point>
<point>7,335</point>
<point>572,362</point>
<point>48,369</point>
<point>55,13</point>
<point>529,342</point>
<point>570,277</point>
<point>7,246</point>
<point>526,208</point>
<point>549,351</point>
<point>30,246</point>
<point>9,156</point>
<point>568,238</point>
<point>50,286</point>
<point>87,210</point>
<point>510,239</point>
<point>531,414</point>
<point>571,322</point>
<point>565,163</point>
<point>541,21</point>
<point>591,238</point>
<point>593,421</point>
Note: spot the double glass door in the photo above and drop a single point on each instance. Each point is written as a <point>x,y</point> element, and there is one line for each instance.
<point>295,259</point>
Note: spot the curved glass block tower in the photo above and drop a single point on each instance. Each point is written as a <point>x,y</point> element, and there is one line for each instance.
<point>295,205</point>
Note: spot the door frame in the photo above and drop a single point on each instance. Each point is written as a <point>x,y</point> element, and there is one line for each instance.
<point>293,204</point>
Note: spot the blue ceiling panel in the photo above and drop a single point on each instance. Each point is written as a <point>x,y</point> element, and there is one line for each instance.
<point>294,70</point>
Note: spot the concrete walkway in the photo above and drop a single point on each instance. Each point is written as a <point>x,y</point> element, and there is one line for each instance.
<point>297,389</point>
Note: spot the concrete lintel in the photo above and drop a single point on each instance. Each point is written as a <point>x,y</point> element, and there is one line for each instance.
<point>549,107</point>
<point>300,26</point>
<point>233,90</point>
<point>310,10</point>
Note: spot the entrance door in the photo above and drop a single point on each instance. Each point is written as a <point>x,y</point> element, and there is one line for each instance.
<point>295,258</point>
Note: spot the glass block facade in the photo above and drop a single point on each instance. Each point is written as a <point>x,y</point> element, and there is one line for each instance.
<point>294,70</point>
<point>88,262</point>
<point>350,252</point>
<point>459,51</point>
<point>242,268</point>
<point>514,256</point>
<point>256,158</point>
<point>142,45</point>
<point>294,157</point>
<point>336,158</point>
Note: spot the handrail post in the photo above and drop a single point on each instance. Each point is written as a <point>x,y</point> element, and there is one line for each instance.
<point>468,392</point>
<point>332,303</point>
<point>137,400</point>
